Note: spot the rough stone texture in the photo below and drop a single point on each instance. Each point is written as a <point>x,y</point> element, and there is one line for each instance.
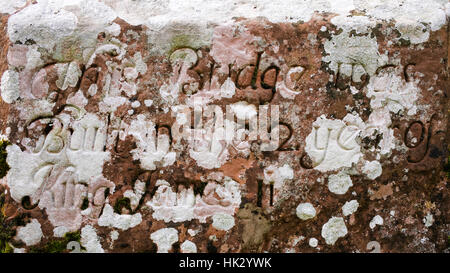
<point>91,91</point>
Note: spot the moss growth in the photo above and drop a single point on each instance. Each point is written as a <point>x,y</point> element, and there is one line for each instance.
<point>6,248</point>
<point>58,246</point>
<point>6,231</point>
<point>4,167</point>
<point>5,235</point>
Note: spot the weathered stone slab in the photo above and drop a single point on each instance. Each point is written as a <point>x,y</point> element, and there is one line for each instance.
<point>158,126</point>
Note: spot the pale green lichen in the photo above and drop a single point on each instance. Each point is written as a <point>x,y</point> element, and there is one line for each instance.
<point>63,31</point>
<point>173,36</point>
<point>347,48</point>
<point>9,86</point>
<point>6,232</point>
<point>69,49</point>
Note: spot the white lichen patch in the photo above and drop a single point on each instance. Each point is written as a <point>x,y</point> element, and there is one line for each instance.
<point>298,239</point>
<point>161,15</point>
<point>192,232</point>
<point>78,99</point>
<point>244,110</point>
<point>361,24</point>
<point>305,211</point>
<point>188,247</point>
<point>7,6</point>
<point>130,73</point>
<point>113,30</point>
<point>68,75</point>
<point>139,65</point>
<point>135,104</point>
<point>377,220</point>
<point>9,87</point>
<point>172,206</point>
<point>136,195</point>
<point>20,250</point>
<point>413,18</point>
<point>19,178</point>
<point>49,23</point>
<point>60,231</point>
<point>109,104</point>
<point>210,150</point>
<point>413,31</point>
<point>90,240</point>
<point>114,235</point>
<point>223,198</point>
<point>31,233</point>
<point>148,103</point>
<point>348,49</point>
<point>222,221</point>
<point>333,230</point>
<point>380,120</point>
<point>388,89</point>
<point>428,220</point>
<point>121,221</point>
<point>350,207</point>
<point>339,183</point>
<point>183,205</point>
<point>228,88</point>
<point>44,24</point>
<point>152,148</point>
<point>313,242</point>
<point>88,160</point>
<point>52,23</point>
<point>164,238</point>
<point>372,169</point>
<point>332,144</point>
<point>278,175</point>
